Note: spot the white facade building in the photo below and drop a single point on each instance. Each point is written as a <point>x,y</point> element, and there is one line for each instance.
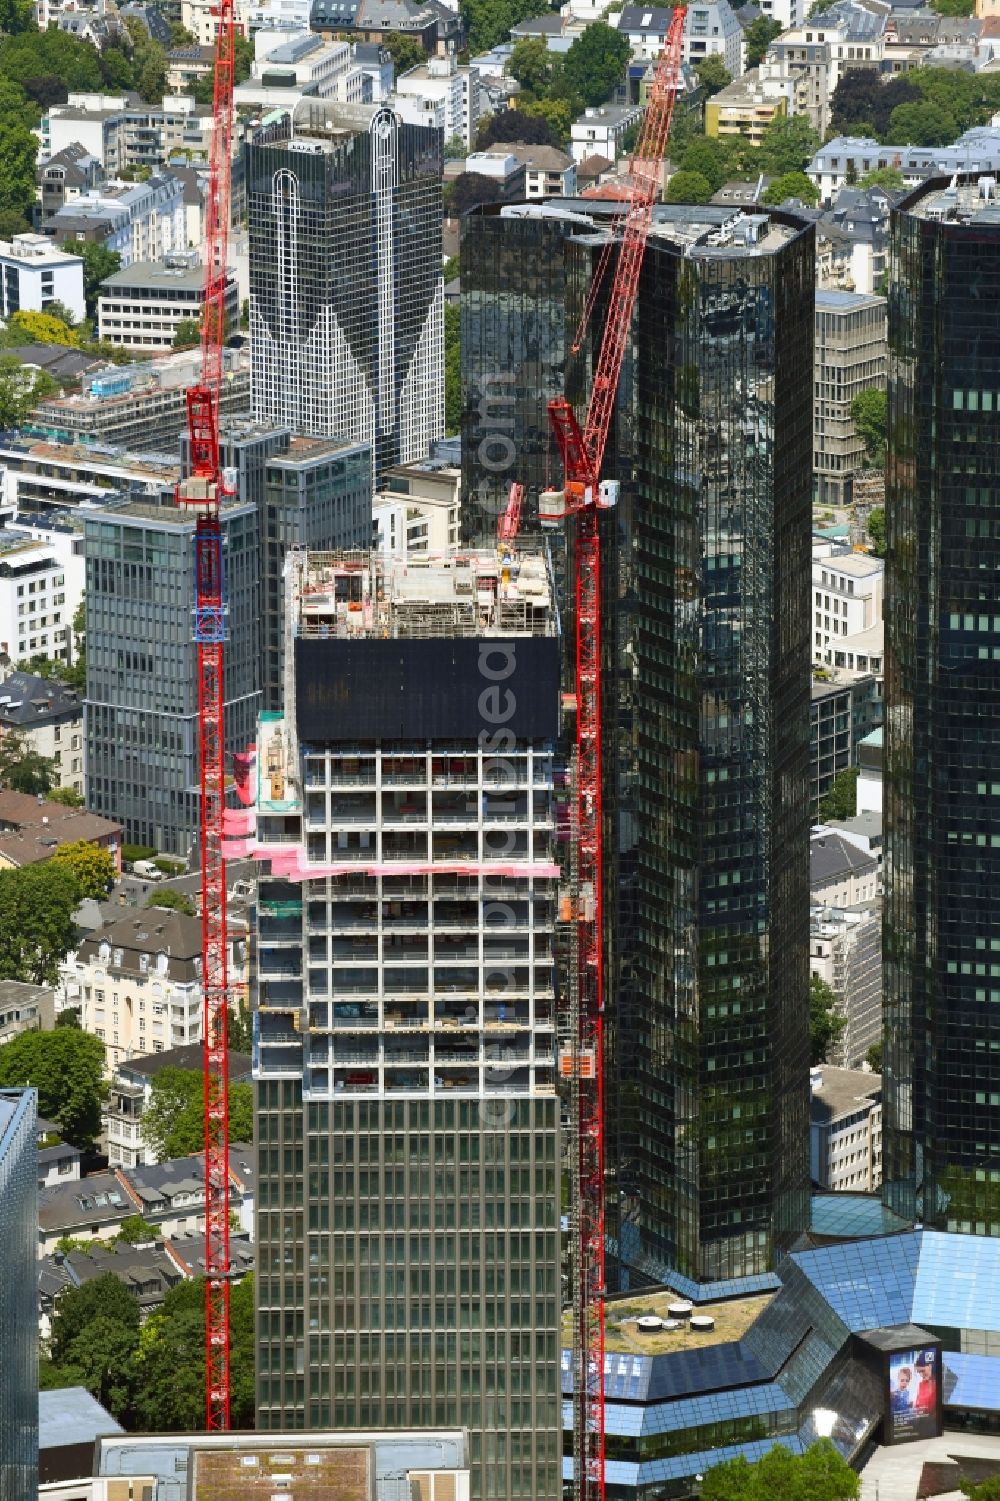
<point>35,618</point>
<point>418,510</point>
<point>142,221</point>
<point>845,951</point>
<point>302,60</point>
<point>845,1129</point>
<point>601,131</point>
<point>841,874</point>
<point>441,93</point>
<point>201,19</point>
<point>35,273</point>
<point>144,305</point>
<point>847,596</point>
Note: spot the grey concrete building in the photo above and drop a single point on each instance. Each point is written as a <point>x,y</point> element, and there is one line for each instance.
<point>850,356</point>
<point>404,1050</point>
<point>25,1008</point>
<point>845,950</point>
<point>140,718</point>
<point>842,712</point>
<point>18,1298</point>
<point>845,1129</point>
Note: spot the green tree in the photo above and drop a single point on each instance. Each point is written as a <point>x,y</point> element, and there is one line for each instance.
<point>455,150</point>
<point>818,1475</point>
<point>38,54</point>
<point>41,328</point>
<point>69,1017</point>
<point>173,1121</point>
<point>709,157</point>
<point>758,36</point>
<point>826,1027</point>
<point>873,1057</point>
<point>468,191</point>
<point>595,64</point>
<point>240,1028</point>
<point>170,1362</point>
<point>243,1344</point>
<point>883,177</point>
<point>187,334</point>
<point>533,65</point>
<point>954,8</point>
<point>405,51</point>
<point>95,1337</point>
<point>491,21</point>
<point>22,769</point>
<point>172,901</point>
<point>869,413</point>
<point>16,16</point>
<point>18,151</point>
<point>21,389</point>
<point>556,115</point>
<point>66,1066</point>
<point>134,1230</point>
<point>921,124</point>
<point>842,799</point>
<point>68,796</point>
<point>989,1489</point>
<point>791,185</point>
<point>452,368</point>
<point>514,125</point>
<point>713,74</point>
<point>92,868</point>
<point>688,187</point>
<point>788,145</point>
<point>876,530</point>
<point>98,263</point>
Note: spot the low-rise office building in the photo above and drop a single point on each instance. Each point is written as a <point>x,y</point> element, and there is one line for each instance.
<point>848,590</point>
<point>34,273</point>
<point>843,710</point>
<point>850,357</point>
<point>144,305</point>
<point>845,1129</point>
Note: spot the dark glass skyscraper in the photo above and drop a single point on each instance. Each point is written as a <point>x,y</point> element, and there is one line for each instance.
<point>706,641</point>
<point>346,294</point>
<point>941,1079</point>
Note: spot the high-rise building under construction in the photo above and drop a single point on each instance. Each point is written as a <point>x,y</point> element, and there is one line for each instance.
<point>346,292</point>
<point>706,693</point>
<point>404,1053</point>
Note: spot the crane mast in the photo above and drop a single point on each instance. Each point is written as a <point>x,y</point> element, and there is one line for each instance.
<point>202,492</point>
<point>583,495</point>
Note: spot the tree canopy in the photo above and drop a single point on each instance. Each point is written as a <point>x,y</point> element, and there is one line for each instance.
<point>713,74</point>
<point>37,930</point>
<point>22,768</point>
<point>98,263</point>
<point>842,799</point>
<point>18,154</point>
<point>876,530</point>
<point>534,65</point>
<point>758,37</point>
<point>788,145</point>
<point>43,328</point>
<point>173,1122</point>
<point>468,191</point>
<point>514,125</point>
<point>405,51</point>
<point>595,64</point>
<point>688,187</point>
<point>791,185</point>
<point>21,389</point>
<point>869,413</point>
<point>187,334</point>
<point>818,1475</point>
<point>922,123</point>
<point>66,1066</point>
<point>452,368</point>
<point>826,1025</point>
<point>491,21</point>
<point>92,868</point>
<point>174,901</point>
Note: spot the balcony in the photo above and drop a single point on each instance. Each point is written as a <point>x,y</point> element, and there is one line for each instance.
<point>401,810</point>
<point>355,1016</point>
<point>280,964</point>
<point>401,846</point>
<point>406,1015</point>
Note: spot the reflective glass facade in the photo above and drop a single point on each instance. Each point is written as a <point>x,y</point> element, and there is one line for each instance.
<point>941,1077</point>
<point>706,652</point>
<point>18,1301</point>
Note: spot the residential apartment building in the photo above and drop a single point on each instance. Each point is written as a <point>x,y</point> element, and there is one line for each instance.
<point>137,983</point>
<point>48,717</point>
<point>25,1008</point>
<point>850,358</point>
<point>404,1044</point>
<point>443,95</point>
<point>844,709</point>
<point>601,131</point>
<point>141,406</point>
<point>746,107</point>
<point>711,29</point>
<point>131,1090</point>
<point>845,159</point>
<point>548,172</point>
<point>32,828</point>
<point>33,274</point>
<point>65,175</point>
<point>346,297</point>
<point>845,1130</point>
<point>845,951</point>
<point>119,133</point>
<point>847,593</point>
<point>143,305</point>
<point>417,510</point>
<point>141,711</point>
<point>45,483</point>
<point>18,1295</point>
<point>841,873</point>
<point>706,794</point>
<point>188,64</point>
<point>141,222</point>
<point>35,618</point>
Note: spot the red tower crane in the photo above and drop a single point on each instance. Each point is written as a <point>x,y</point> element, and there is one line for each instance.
<point>583,495</point>
<point>202,492</point>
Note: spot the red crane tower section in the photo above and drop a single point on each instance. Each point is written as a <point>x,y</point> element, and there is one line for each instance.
<point>202,491</point>
<point>582,453</point>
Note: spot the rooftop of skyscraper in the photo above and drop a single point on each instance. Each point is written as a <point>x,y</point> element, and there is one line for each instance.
<point>971,198</point>
<point>713,229</point>
<point>473,593</point>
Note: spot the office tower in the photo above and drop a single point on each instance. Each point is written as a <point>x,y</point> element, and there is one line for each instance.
<point>706,671</point>
<point>141,710</point>
<point>346,299</point>
<point>850,358</point>
<point>941,1151</point>
<point>408,1163</point>
<point>317,493</point>
<point>18,1294</point>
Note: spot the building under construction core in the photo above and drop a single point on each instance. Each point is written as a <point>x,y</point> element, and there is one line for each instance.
<point>405,1037</point>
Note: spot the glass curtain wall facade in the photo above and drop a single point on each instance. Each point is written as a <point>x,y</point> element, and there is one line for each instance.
<point>941,1122</point>
<point>346,292</point>
<point>404,1051</point>
<point>707,736</point>
<point>141,709</point>
<point>18,1296</point>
